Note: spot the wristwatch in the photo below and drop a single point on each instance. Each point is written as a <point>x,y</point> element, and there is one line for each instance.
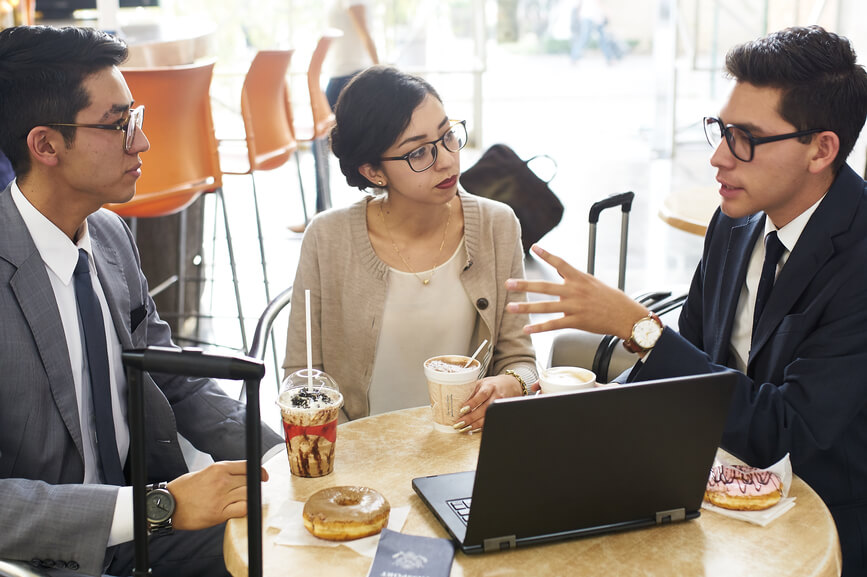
<point>645,333</point>
<point>159,508</point>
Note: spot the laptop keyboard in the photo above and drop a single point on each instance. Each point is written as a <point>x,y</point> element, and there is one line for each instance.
<point>461,507</point>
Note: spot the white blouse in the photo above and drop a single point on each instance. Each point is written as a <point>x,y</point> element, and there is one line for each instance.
<point>419,322</point>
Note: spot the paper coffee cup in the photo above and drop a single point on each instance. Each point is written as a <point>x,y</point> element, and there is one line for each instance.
<point>450,384</point>
<point>566,380</point>
<point>310,417</point>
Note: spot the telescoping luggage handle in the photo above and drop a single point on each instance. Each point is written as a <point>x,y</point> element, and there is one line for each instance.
<point>194,363</point>
<point>624,201</point>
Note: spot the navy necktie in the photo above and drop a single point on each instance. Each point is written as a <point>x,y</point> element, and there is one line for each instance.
<point>773,251</point>
<point>90,314</point>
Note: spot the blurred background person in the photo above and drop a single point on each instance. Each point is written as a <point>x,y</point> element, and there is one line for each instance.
<point>589,19</point>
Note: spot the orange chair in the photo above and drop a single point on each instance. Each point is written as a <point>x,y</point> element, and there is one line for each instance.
<point>270,137</point>
<point>322,119</point>
<point>182,162</point>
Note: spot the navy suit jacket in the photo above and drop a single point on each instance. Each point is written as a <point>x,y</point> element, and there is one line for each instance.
<point>806,393</point>
<point>46,512</point>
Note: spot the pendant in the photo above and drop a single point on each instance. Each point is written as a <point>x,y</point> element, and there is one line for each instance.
<point>426,282</point>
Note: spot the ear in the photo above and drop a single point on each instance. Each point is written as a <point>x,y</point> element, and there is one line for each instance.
<point>43,144</point>
<point>826,146</point>
<point>374,175</point>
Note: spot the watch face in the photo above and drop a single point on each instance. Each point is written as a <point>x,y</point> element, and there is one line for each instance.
<point>159,505</point>
<point>647,332</point>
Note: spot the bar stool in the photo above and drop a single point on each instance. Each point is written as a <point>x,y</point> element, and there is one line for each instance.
<point>183,162</point>
<point>316,129</point>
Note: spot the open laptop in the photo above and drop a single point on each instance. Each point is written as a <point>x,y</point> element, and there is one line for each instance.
<point>554,467</point>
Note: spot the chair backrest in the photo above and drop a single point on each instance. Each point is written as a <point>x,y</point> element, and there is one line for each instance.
<point>183,161</point>
<point>323,117</point>
<point>264,108</point>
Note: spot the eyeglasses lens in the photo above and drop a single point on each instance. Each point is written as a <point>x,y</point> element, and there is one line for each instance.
<point>133,126</point>
<point>456,138</point>
<point>737,139</point>
<point>424,157</point>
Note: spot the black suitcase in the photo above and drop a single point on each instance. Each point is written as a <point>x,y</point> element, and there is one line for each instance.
<point>603,354</point>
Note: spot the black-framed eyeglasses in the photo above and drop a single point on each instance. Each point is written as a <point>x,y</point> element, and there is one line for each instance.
<point>130,127</point>
<point>739,140</point>
<point>423,157</point>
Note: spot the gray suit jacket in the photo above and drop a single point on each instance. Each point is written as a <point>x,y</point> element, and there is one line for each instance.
<point>45,511</point>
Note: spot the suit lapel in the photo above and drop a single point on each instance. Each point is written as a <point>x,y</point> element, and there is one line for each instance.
<point>814,249</point>
<point>32,289</point>
<point>111,277</point>
<point>738,252</point>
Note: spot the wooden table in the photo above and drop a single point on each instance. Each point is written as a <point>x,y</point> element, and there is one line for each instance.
<point>387,451</point>
<point>690,209</point>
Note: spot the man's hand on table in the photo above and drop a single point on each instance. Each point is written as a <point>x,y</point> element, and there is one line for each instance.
<point>211,496</point>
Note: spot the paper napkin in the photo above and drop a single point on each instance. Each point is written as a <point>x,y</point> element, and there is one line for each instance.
<point>290,521</point>
<point>783,469</point>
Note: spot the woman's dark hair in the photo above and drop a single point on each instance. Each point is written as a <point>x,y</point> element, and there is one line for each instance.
<point>372,112</point>
<point>42,70</point>
<point>822,86</point>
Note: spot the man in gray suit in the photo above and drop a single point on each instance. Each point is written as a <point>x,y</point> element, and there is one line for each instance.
<point>71,131</point>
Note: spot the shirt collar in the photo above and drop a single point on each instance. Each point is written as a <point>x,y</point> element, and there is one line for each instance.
<point>790,233</point>
<point>58,252</point>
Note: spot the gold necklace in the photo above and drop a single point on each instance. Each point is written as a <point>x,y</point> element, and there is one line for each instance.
<point>424,281</point>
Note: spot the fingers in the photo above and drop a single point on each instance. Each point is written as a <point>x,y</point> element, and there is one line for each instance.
<point>541,307</point>
<point>550,325</point>
<point>211,496</point>
<point>564,268</point>
<point>487,391</point>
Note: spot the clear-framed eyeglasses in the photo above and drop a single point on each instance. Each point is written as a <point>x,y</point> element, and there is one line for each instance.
<point>423,157</point>
<point>130,126</point>
<point>741,143</point>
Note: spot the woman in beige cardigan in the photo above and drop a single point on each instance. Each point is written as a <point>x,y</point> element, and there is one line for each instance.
<point>416,269</point>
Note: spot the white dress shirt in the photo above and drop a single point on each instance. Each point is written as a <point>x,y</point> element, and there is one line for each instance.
<point>742,328</point>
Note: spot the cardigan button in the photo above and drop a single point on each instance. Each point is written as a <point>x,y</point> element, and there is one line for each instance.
<point>482,303</point>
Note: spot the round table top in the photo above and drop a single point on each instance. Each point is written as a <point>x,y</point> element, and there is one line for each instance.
<point>690,209</point>
<point>387,451</point>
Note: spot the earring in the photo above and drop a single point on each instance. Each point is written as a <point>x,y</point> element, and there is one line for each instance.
<point>379,182</point>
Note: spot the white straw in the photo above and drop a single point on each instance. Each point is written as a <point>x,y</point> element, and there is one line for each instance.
<point>478,350</point>
<point>309,344</point>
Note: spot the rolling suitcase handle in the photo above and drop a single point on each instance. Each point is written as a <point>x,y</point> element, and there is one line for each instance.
<point>624,201</point>
<point>194,363</point>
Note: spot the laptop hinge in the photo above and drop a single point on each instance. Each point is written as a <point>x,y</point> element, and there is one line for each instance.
<point>499,543</point>
<point>670,516</point>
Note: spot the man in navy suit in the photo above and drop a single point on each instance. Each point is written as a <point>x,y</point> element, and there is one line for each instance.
<point>780,144</point>
<point>72,131</point>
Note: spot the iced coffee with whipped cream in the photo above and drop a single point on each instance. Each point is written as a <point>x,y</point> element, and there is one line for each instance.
<point>310,410</point>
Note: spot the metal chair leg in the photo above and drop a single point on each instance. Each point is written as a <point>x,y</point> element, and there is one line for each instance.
<point>222,199</point>
<point>301,186</point>
<point>262,258</point>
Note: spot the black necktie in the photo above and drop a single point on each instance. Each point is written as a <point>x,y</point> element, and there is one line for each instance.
<point>90,314</point>
<point>773,251</point>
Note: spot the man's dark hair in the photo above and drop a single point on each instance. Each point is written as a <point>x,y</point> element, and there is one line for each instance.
<point>42,70</point>
<point>372,112</point>
<point>822,86</point>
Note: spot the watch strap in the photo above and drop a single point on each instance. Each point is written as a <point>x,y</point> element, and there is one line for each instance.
<point>630,344</point>
<point>163,527</point>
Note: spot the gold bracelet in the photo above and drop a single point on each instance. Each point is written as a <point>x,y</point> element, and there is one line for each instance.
<point>524,389</point>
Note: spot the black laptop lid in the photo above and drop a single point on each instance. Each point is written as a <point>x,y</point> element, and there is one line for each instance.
<point>599,460</point>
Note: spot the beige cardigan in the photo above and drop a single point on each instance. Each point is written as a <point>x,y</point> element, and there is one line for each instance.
<point>347,283</point>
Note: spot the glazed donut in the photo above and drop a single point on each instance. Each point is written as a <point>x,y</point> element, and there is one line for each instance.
<point>345,513</point>
<point>743,488</point>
